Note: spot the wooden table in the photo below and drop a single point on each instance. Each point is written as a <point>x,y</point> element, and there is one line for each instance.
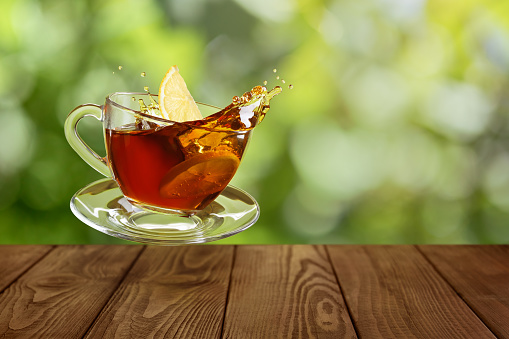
<point>283,291</point>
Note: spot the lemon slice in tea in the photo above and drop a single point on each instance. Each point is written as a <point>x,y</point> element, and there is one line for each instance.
<point>203,174</point>
<point>175,101</point>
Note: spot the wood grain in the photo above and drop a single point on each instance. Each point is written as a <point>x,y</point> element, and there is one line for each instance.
<point>171,292</point>
<point>272,292</point>
<point>60,296</point>
<point>393,292</point>
<point>16,259</point>
<point>285,292</point>
<point>480,275</point>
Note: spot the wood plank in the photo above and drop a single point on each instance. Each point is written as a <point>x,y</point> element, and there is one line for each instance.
<point>393,292</point>
<point>16,259</point>
<point>480,275</point>
<point>285,292</point>
<point>60,296</point>
<point>171,292</point>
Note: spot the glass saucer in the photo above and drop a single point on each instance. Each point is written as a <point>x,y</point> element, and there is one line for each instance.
<point>102,206</point>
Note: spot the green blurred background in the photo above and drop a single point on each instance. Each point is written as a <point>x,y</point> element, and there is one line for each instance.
<point>396,130</point>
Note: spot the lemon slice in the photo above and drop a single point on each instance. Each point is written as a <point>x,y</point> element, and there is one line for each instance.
<point>175,101</point>
<point>202,175</point>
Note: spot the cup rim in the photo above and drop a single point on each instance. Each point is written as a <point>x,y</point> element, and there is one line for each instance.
<point>109,100</point>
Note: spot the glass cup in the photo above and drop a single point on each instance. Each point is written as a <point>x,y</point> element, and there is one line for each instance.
<point>160,165</point>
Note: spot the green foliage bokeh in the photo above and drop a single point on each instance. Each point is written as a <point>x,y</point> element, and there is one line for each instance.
<point>396,129</point>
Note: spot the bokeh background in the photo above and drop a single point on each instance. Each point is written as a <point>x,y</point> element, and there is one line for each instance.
<point>396,130</point>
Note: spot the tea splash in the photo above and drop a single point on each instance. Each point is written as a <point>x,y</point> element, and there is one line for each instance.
<point>244,113</point>
<point>190,162</point>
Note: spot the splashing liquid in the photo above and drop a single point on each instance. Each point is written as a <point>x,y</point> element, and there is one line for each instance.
<point>152,108</point>
<point>185,166</point>
<point>290,86</point>
<point>243,114</point>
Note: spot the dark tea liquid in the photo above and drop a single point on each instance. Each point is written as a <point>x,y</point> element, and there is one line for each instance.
<point>141,161</point>
<point>184,166</point>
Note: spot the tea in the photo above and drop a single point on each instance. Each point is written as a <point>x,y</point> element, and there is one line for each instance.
<point>184,166</point>
<point>176,167</point>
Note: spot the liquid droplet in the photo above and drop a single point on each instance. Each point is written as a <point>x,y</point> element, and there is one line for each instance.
<point>258,90</point>
<point>143,107</point>
<point>274,70</point>
<point>143,74</point>
<point>119,68</point>
<point>277,77</point>
<point>283,81</point>
<point>113,72</point>
<point>265,82</point>
<point>145,88</point>
<point>290,86</point>
<point>134,99</point>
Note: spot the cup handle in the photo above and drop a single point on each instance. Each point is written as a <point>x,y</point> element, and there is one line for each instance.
<point>84,151</point>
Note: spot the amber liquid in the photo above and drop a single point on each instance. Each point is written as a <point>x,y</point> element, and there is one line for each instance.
<point>142,155</point>
<point>140,160</point>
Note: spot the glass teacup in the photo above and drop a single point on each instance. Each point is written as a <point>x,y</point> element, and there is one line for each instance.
<point>161,165</point>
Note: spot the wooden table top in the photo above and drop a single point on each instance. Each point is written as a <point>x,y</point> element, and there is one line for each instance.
<point>248,291</point>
